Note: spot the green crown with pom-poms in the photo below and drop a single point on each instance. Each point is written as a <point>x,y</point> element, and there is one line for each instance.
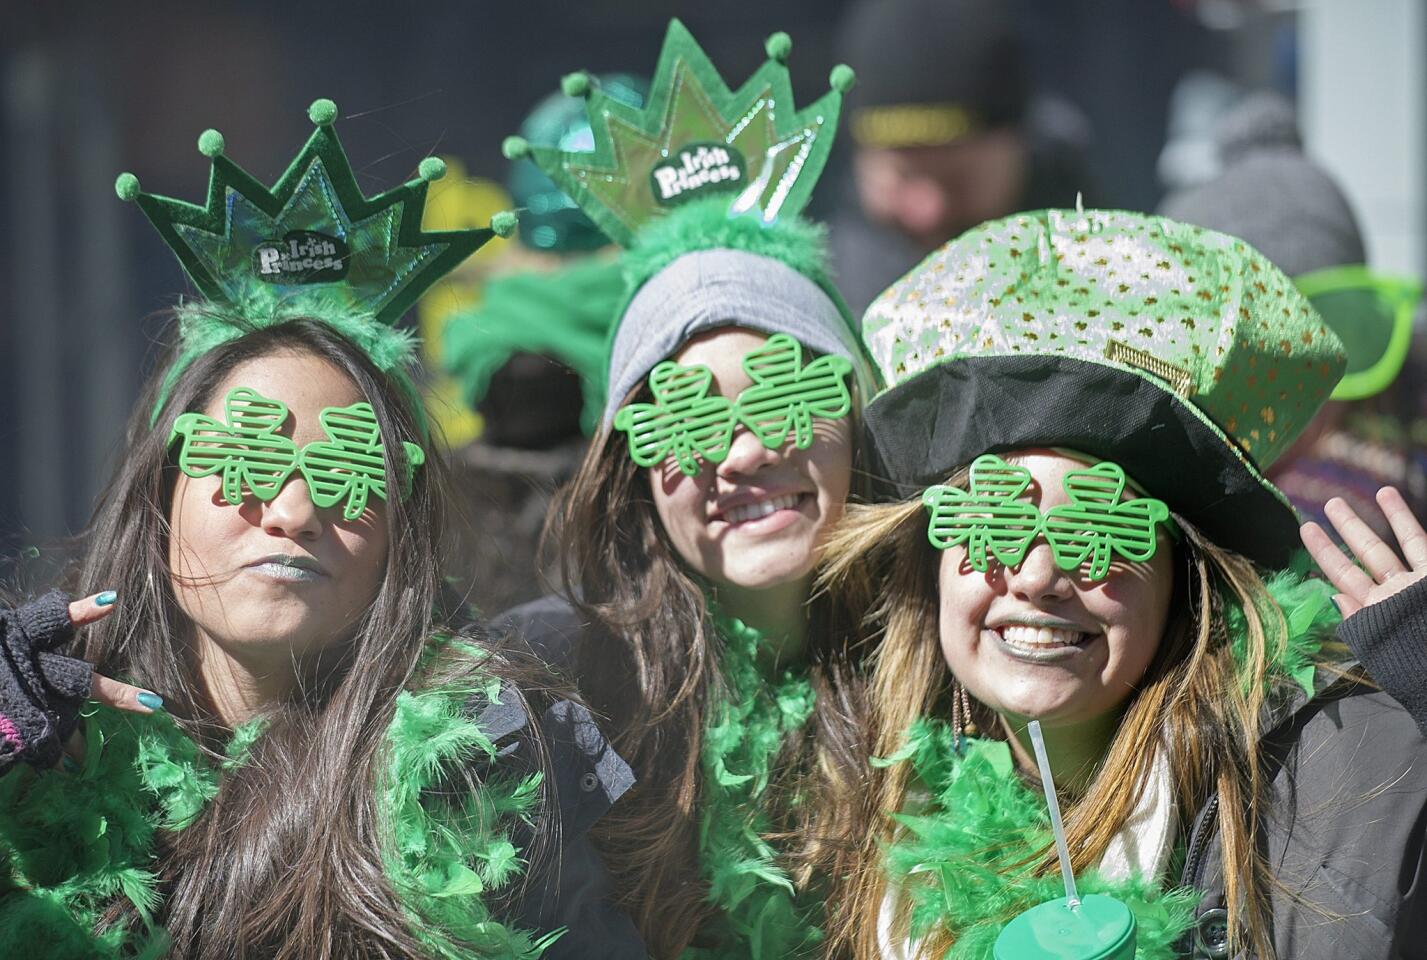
<point>693,138</point>
<point>313,243</point>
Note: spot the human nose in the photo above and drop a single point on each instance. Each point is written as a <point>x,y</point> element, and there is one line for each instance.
<point>292,513</point>
<point>921,204</point>
<point>747,454</point>
<point>1038,577</point>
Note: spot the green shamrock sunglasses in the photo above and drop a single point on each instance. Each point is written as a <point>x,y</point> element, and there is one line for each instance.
<point>686,423</point>
<point>254,459</point>
<point>994,523</point>
<point>1372,315</point>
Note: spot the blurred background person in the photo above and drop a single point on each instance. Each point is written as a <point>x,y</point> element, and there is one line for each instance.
<point>1271,194</point>
<point>947,132</point>
<point>529,358</point>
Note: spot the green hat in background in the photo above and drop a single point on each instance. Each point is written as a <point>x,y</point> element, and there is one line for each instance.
<point>549,218</point>
<point>564,314</point>
<point>1180,353</point>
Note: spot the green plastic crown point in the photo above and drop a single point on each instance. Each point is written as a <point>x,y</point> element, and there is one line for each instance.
<point>323,112</point>
<point>576,84</point>
<point>504,223</point>
<point>210,143</point>
<point>842,78</point>
<point>779,46</point>
<point>515,148</point>
<point>126,185</point>
<point>431,169</point>
<point>694,138</point>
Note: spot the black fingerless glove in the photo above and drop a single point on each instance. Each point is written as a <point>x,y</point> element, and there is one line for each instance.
<point>40,691</point>
<point>1390,638</point>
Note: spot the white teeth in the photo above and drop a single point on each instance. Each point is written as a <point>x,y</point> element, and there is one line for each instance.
<point>1039,637</point>
<point>761,508</point>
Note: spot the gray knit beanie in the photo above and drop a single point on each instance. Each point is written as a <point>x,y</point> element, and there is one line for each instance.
<point>706,289</point>
<point>1271,194</point>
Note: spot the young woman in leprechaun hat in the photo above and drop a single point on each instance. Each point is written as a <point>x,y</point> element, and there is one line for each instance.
<point>688,538</point>
<point>1080,409</point>
<point>305,761</point>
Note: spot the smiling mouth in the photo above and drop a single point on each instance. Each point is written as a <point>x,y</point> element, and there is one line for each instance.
<point>1041,638</point>
<point>757,510</point>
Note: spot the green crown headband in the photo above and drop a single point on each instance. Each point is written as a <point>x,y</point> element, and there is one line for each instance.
<point>312,245</point>
<point>254,459</point>
<point>686,423</point>
<point>993,522</point>
<point>695,138</point>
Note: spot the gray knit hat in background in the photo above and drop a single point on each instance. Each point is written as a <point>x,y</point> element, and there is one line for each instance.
<point>1271,194</point>
<point>707,289</point>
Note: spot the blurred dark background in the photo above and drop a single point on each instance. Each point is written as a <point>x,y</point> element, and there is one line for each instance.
<point>90,89</point>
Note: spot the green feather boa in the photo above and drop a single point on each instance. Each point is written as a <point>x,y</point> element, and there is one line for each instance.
<point>760,914</point>
<point>73,843</point>
<point>959,860</point>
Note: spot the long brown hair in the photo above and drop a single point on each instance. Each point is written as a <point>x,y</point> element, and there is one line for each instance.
<point>880,561</point>
<point>287,860</point>
<point>650,664</point>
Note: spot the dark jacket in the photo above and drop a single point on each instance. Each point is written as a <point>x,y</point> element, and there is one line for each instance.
<point>1344,835</point>
<point>572,889</point>
<point>550,628</point>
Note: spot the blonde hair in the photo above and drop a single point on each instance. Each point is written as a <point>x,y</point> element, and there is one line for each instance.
<point>1206,686</point>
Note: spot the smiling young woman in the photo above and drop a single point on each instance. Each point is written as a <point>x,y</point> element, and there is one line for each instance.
<point>688,540</point>
<point>1083,403</point>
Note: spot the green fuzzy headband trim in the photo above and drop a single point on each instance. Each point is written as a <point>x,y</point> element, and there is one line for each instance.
<point>707,225</point>
<point>204,325</point>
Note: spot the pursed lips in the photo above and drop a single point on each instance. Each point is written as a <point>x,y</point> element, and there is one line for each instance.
<point>290,562</point>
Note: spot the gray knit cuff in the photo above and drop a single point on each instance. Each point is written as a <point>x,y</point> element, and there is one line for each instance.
<point>725,288</point>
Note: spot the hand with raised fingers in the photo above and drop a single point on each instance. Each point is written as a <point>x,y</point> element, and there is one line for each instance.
<point>1380,572</point>
<point>42,690</point>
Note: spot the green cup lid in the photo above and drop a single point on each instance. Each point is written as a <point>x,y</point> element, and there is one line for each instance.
<point>1098,928</point>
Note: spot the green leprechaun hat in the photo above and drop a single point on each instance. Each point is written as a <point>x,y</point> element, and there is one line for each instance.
<point>1180,353</point>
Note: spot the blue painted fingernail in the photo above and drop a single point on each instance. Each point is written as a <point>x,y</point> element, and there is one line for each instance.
<point>151,700</point>
<point>106,598</point>
<point>70,764</point>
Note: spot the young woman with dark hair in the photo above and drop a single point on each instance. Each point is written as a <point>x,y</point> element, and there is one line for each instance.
<point>688,539</point>
<point>306,761</point>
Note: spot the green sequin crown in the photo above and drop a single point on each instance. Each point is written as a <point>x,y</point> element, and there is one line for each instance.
<point>694,138</point>
<point>311,245</point>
